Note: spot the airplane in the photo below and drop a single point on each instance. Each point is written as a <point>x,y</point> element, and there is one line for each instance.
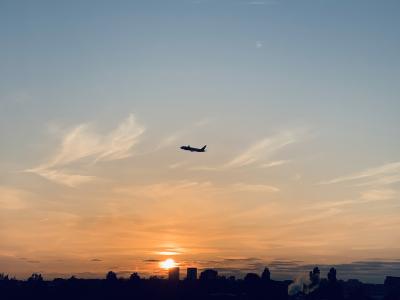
<point>193,149</point>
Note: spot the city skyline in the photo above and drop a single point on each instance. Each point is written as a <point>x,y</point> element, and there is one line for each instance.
<point>297,102</point>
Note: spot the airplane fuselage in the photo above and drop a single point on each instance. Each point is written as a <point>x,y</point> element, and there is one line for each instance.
<point>193,149</point>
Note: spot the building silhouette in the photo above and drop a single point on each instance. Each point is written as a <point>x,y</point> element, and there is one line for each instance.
<point>392,288</point>
<point>266,275</point>
<point>208,275</point>
<point>209,287</point>
<point>191,273</point>
<point>173,274</point>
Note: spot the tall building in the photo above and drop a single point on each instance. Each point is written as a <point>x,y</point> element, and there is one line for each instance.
<point>266,275</point>
<point>173,274</point>
<point>191,274</point>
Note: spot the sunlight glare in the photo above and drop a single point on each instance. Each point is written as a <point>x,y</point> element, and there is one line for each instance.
<point>168,264</point>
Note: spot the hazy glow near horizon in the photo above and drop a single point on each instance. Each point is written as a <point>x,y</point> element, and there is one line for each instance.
<point>299,112</point>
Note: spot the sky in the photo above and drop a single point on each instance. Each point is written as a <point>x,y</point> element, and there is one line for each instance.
<point>298,103</point>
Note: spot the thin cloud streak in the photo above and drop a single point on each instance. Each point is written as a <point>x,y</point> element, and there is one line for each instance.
<point>62,177</point>
<point>254,187</point>
<point>263,148</point>
<point>177,165</point>
<point>81,142</point>
<point>375,182</point>
<point>385,169</point>
<point>378,195</point>
<point>384,180</point>
<point>260,150</point>
<point>274,163</point>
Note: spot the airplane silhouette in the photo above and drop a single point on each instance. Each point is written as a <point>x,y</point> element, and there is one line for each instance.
<point>193,149</point>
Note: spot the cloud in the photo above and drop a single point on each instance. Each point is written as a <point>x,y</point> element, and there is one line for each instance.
<point>383,180</point>
<point>207,168</point>
<point>257,188</point>
<point>61,177</point>
<point>152,260</point>
<point>170,252</point>
<point>82,142</point>
<point>96,260</point>
<point>33,261</point>
<point>259,44</point>
<point>376,180</point>
<point>377,195</point>
<point>303,219</point>
<point>379,173</point>
<point>274,163</point>
<point>263,148</point>
<point>260,150</point>
<point>177,165</point>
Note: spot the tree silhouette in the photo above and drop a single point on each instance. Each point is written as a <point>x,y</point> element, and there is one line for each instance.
<point>35,278</point>
<point>111,276</point>
<point>134,277</point>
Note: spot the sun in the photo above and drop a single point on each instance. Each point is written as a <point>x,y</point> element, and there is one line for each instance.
<point>168,264</point>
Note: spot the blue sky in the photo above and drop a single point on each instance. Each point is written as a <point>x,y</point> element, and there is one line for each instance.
<point>298,102</point>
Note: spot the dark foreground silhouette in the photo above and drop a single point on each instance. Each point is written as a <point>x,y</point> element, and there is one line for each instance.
<point>208,286</point>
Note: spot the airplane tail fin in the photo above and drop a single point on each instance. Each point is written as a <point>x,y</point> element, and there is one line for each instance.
<point>204,148</point>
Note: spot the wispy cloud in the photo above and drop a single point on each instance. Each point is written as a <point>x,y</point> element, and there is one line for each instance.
<point>263,149</point>
<point>378,194</point>
<point>387,173</point>
<point>382,180</point>
<point>259,44</point>
<point>257,188</point>
<point>62,177</point>
<point>260,151</point>
<point>177,165</point>
<point>274,163</point>
<point>82,142</point>
<point>374,180</point>
<point>96,260</point>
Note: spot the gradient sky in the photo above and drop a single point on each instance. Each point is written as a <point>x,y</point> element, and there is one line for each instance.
<point>298,102</point>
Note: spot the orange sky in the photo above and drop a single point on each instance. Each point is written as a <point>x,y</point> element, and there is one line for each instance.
<point>299,112</point>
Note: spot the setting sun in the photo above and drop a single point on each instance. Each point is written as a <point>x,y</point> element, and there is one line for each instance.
<point>168,263</point>
<point>189,139</point>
